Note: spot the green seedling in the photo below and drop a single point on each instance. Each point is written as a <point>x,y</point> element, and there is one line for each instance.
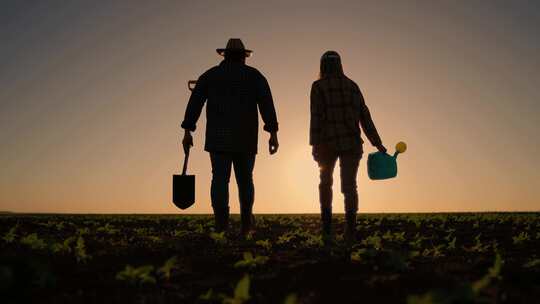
<point>208,296</point>
<point>468,293</point>
<point>83,231</point>
<point>169,265</point>
<point>434,252</point>
<point>199,228</point>
<point>249,261</point>
<point>357,255</point>
<point>452,244</point>
<point>63,247</point>
<point>313,241</point>
<point>180,233</point>
<point>241,292</point>
<point>153,238</point>
<point>108,229</point>
<point>493,273</point>
<point>395,237</point>
<point>417,243</point>
<point>136,275</point>
<point>10,236</point>
<point>520,238</point>
<point>478,246</point>
<point>414,254</point>
<point>60,226</point>
<point>266,244</point>
<point>285,238</point>
<point>33,241</point>
<point>291,299</point>
<point>219,237</point>
<point>373,241</point>
<point>143,231</point>
<point>532,263</point>
<point>80,251</point>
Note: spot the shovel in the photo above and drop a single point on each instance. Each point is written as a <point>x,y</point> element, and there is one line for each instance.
<point>184,187</point>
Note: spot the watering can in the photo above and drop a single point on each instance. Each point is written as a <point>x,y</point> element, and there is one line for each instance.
<point>382,165</point>
<point>183,184</point>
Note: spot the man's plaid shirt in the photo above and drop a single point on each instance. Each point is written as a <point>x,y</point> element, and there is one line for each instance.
<point>337,109</point>
<point>233,92</point>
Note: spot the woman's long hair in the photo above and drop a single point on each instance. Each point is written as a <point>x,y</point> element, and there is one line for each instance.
<point>330,65</point>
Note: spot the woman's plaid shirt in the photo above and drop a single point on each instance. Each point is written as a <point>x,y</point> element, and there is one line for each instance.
<point>337,109</point>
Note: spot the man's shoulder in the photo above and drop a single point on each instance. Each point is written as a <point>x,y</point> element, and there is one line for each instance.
<point>254,71</point>
<point>210,71</point>
<point>318,82</point>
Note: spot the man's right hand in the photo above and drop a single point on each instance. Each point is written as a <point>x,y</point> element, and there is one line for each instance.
<point>187,142</point>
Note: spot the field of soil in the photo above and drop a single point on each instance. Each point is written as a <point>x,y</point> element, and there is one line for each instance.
<point>397,258</point>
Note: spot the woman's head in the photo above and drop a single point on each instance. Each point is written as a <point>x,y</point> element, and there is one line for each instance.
<point>330,64</point>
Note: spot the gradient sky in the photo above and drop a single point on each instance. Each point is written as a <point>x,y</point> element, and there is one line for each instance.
<point>93,92</point>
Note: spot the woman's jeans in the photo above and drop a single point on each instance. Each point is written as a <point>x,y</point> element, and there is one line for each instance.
<point>348,163</point>
<point>243,164</point>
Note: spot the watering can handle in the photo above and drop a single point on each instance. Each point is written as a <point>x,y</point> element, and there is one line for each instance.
<point>186,157</point>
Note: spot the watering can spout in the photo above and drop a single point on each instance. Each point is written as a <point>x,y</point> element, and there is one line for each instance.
<point>400,148</point>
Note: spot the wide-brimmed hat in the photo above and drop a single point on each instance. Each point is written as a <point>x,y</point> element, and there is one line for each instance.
<point>236,45</point>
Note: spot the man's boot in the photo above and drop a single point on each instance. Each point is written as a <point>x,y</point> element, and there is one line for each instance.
<point>350,227</point>
<point>326,223</point>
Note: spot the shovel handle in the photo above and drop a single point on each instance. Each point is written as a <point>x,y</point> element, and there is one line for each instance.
<point>191,84</point>
<point>186,157</point>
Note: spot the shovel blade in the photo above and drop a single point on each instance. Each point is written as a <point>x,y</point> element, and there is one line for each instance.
<point>183,191</point>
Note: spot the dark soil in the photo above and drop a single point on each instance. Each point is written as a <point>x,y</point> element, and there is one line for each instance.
<point>397,258</point>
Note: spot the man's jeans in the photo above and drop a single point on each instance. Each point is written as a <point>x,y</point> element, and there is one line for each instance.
<point>221,172</point>
<point>348,163</point>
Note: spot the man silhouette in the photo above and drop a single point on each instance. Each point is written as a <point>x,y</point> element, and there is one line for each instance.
<point>233,92</point>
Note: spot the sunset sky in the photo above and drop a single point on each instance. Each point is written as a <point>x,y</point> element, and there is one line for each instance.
<point>92,94</point>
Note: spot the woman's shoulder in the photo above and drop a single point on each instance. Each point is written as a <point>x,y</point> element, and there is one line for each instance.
<point>352,83</point>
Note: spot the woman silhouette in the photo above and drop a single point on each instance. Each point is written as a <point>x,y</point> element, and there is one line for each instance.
<point>337,109</point>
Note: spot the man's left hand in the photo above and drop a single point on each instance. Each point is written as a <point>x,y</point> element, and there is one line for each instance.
<point>273,143</point>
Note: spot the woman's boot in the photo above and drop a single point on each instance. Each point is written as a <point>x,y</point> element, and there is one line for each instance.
<point>350,227</point>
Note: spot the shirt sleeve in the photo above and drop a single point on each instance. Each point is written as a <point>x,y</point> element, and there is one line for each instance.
<point>315,117</point>
<point>266,105</point>
<point>195,104</point>
<point>366,122</point>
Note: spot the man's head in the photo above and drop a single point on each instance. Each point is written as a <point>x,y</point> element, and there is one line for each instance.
<point>235,50</point>
<point>237,56</point>
<point>330,64</point>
